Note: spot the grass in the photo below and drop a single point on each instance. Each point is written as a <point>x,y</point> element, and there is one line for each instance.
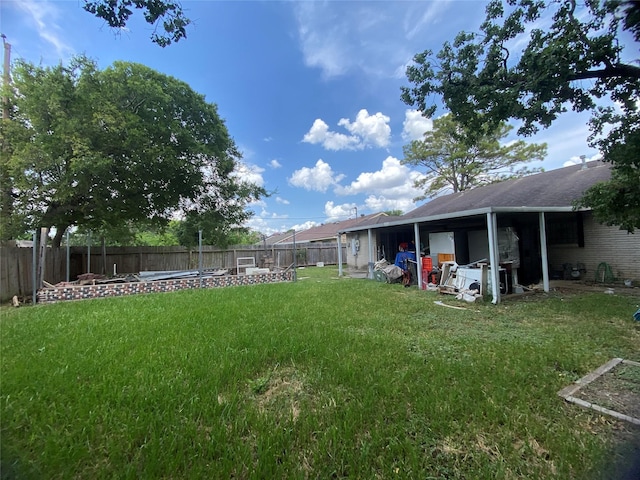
<point>322,378</point>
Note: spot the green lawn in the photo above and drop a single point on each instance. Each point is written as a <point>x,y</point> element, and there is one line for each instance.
<point>322,378</point>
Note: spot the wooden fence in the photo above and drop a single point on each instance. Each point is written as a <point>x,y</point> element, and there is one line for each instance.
<point>16,264</point>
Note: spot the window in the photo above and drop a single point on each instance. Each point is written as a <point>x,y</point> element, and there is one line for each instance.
<point>565,229</point>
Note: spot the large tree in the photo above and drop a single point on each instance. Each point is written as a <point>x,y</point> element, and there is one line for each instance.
<point>576,61</point>
<point>118,148</point>
<point>165,15</point>
<point>455,160</point>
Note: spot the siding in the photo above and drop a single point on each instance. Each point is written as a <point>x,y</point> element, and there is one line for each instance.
<point>360,261</point>
<point>615,247</point>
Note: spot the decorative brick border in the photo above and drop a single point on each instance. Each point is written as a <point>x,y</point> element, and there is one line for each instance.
<point>81,292</point>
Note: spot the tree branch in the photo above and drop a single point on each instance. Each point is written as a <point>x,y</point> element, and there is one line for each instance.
<point>621,70</point>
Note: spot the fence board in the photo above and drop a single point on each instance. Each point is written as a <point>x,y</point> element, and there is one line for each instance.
<point>16,263</point>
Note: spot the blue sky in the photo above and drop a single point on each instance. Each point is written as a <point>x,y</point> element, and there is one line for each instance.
<point>310,91</point>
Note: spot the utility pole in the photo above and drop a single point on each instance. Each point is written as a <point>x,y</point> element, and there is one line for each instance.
<point>6,199</point>
<point>6,77</point>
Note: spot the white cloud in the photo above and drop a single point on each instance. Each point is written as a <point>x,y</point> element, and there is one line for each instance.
<point>319,133</point>
<point>414,22</point>
<point>393,181</point>
<point>390,188</point>
<point>249,173</point>
<point>258,203</point>
<point>322,44</point>
<point>299,227</point>
<point>45,16</point>
<point>415,125</point>
<point>371,129</point>
<point>380,203</point>
<point>319,178</point>
<point>246,152</point>
<point>259,224</point>
<point>282,201</point>
<point>275,163</point>
<point>373,38</point>
<point>336,213</point>
<point>366,131</point>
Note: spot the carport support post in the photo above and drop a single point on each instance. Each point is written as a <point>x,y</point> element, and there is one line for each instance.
<point>339,255</point>
<point>369,238</point>
<point>416,234</point>
<point>543,252</point>
<point>494,274</point>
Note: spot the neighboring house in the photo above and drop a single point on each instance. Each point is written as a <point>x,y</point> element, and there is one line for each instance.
<point>325,233</point>
<point>277,238</point>
<point>527,226</point>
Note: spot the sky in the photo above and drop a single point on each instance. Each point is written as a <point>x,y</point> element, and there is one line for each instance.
<point>310,91</point>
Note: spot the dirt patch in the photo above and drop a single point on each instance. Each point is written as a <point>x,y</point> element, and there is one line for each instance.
<point>617,390</point>
<point>278,392</point>
<point>582,286</point>
<point>615,386</point>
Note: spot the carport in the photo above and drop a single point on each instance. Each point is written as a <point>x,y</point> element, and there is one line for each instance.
<point>532,206</point>
<point>531,221</point>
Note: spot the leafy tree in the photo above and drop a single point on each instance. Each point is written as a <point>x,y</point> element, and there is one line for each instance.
<point>575,62</point>
<point>456,160</point>
<point>166,12</point>
<point>118,150</point>
<point>244,237</point>
<point>394,213</point>
<point>213,233</point>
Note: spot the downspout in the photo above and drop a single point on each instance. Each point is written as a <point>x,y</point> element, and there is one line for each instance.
<point>339,255</point>
<point>416,233</point>
<point>369,238</point>
<point>494,272</point>
<point>543,252</point>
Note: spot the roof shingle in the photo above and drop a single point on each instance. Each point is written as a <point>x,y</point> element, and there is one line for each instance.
<point>555,188</point>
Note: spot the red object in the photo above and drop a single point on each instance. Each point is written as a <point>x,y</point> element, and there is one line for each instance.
<point>425,278</point>
<point>427,264</point>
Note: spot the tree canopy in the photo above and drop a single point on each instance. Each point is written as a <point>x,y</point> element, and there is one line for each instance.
<point>577,61</point>
<point>167,14</point>
<point>456,160</point>
<point>117,149</point>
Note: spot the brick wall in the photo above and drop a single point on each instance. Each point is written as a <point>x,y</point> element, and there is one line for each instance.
<point>619,249</point>
<point>80,292</point>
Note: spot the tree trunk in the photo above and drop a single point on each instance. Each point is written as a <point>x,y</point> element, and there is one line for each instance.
<point>57,239</point>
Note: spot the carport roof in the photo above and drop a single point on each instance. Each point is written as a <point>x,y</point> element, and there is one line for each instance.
<point>555,190</point>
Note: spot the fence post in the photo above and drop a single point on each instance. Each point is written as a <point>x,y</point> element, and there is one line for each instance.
<point>88,252</point>
<point>68,259</point>
<point>295,258</point>
<point>34,262</point>
<point>44,231</point>
<point>200,256</point>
